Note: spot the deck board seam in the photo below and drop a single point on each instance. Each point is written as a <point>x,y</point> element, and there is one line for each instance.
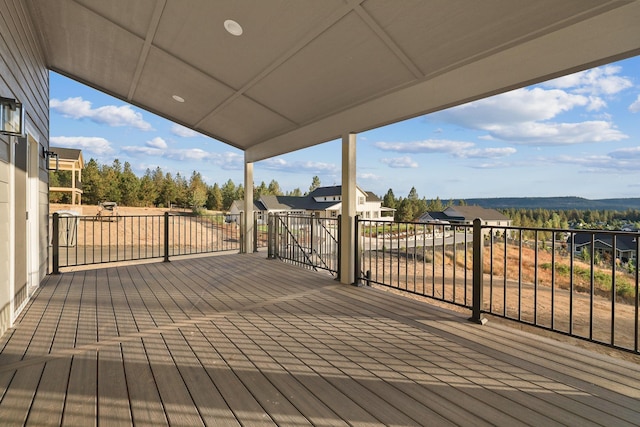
<point>145,333</point>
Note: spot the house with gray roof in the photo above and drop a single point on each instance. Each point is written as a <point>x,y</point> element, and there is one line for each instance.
<point>324,202</point>
<point>626,245</point>
<point>465,215</point>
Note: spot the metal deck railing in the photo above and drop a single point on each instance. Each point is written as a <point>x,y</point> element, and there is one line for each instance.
<point>87,240</point>
<point>582,283</point>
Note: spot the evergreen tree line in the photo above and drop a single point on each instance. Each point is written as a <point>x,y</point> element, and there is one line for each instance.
<point>588,219</point>
<point>411,207</point>
<point>118,183</point>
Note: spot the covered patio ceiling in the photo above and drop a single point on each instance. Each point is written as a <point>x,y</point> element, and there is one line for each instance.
<point>305,72</point>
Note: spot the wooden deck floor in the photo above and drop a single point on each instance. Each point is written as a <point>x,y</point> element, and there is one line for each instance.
<point>240,340</point>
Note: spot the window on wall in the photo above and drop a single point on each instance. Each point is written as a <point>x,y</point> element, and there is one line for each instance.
<point>361,200</point>
<point>334,214</point>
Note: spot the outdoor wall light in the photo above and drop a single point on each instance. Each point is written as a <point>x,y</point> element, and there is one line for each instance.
<point>11,117</point>
<point>49,156</point>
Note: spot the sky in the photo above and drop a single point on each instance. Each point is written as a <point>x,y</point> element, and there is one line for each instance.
<point>577,135</point>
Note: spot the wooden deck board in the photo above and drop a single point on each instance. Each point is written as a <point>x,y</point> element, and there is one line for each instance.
<point>605,409</point>
<point>82,391</point>
<point>113,397</point>
<point>48,404</point>
<point>240,340</point>
<point>146,405</point>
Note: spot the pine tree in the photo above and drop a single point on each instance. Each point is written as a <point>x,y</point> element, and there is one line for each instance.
<point>389,200</point>
<point>315,183</point>
<point>129,186</point>
<point>197,194</point>
<point>229,194</point>
<point>214,198</point>
<point>148,192</point>
<point>92,188</point>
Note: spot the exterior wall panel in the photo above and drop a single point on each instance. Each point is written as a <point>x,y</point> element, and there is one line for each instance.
<point>24,76</point>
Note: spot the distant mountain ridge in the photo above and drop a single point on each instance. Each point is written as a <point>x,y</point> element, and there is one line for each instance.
<point>556,203</point>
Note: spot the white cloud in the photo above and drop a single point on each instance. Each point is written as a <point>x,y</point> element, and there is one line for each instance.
<point>626,153</point>
<point>596,81</point>
<point>518,106</point>
<point>616,161</point>
<point>89,144</point>
<point>428,146</point>
<point>486,153</point>
<point>78,108</point>
<point>283,165</point>
<point>182,131</point>
<point>368,176</point>
<point>545,133</point>
<point>227,160</point>
<point>157,142</point>
<point>493,165</point>
<point>400,162</point>
<point>524,116</point>
<point>635,106</point>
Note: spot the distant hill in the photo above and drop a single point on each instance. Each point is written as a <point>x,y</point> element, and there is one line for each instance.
<point>556,203</point>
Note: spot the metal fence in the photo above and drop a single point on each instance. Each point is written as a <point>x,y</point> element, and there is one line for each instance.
<point>86,240</point>
<point>305,240</point>
<point>582,283</point>
<point>432,260</point>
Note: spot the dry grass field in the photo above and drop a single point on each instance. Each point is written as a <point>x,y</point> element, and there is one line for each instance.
<point>524,293</point>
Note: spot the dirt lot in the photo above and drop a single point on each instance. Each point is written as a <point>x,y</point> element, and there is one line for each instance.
<point>144,227</point>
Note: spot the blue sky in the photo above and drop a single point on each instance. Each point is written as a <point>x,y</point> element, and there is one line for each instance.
<point>578,135</point>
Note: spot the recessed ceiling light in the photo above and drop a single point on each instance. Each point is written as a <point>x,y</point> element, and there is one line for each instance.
<point>233,27</point>
<point>178,98</point>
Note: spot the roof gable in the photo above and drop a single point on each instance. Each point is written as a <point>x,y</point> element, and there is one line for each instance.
<point>470,213</point>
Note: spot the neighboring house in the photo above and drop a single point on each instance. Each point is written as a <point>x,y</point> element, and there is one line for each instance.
<point>626,245</point>
<point>68,159</point>
<point>465,215</point>
<point>324,202</point>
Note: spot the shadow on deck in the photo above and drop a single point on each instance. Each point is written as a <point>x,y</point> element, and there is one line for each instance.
<point>239,339</point>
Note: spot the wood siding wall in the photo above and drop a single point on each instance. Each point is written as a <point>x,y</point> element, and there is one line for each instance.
<point>24,76</point>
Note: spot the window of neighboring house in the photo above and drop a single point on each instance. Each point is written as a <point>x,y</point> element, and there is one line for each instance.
<point>334,214</point>
<point>361,200</point>
<point>367,214</point>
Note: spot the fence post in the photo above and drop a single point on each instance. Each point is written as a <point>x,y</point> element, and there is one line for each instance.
<point>166,237</point>
<point>243,227</point>
<point>356,260</point>
<point>338,278</point>
<point>311,221</point>
<point>269,235</point>
<point>255,231</point>
<point>55,241</point>
<point>478,246</point>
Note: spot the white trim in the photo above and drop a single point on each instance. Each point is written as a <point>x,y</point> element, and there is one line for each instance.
<point>33,209</point>
<point>12,229</point>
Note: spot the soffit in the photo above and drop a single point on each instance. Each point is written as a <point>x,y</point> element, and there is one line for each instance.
<point>307,71</point>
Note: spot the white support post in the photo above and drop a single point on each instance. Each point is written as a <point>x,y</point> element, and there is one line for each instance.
<point>347,239</point>
<point>248,207</point>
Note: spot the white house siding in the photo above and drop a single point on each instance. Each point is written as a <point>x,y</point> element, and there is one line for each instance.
<point>23,76</point>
